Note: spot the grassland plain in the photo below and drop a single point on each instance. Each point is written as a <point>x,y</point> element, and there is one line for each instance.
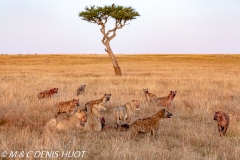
<point>205,83</point>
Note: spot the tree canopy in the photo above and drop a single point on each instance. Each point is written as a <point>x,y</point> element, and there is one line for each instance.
<point>101,15</point>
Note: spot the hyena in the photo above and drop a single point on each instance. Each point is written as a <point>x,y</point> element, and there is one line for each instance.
<point>147,125</point>
<point>223,122</point>
<point>103,100</point>
<point>66,107</point>
<point>166,101</point>
<point>81,89</point>
<point>47,93</point>
<point>150,97</point>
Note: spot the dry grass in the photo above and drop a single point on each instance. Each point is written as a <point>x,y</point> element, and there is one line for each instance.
<point>205,83</point>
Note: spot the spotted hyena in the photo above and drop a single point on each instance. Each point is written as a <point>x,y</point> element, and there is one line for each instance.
<point>103,100</point>
<point>166,101</point>
<point>47,93</point>
<point>223,122</point>
<point>66,107</point>
<point>81,89</point>
<point>148,125</point>
<point>150,97</point>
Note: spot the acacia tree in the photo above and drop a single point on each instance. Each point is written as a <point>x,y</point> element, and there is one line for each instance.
<point>101,15</point>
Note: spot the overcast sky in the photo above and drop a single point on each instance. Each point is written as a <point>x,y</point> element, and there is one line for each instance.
<point>165,26</point>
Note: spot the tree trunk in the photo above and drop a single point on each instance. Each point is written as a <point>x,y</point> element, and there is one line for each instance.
<point>116,67</point>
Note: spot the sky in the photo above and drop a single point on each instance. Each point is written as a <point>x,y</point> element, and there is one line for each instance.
<point>164,27</point>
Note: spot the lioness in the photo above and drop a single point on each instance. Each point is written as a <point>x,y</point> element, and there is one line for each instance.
<point>124,113</point>
<point>77,120</point>
<point>94,118</point>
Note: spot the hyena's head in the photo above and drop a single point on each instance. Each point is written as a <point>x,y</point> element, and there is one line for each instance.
<point>75,102</point>
<point>218,116</point>
<point>54,90</point>
<point>40,95</point>
<point>106,97</point>
<point>81,115</point>
<point>166,113</point>
<point>173,93</point>
<point>135,104</point>
<point>145,91</point>
<point>83,86</point>
<point>100,106</point>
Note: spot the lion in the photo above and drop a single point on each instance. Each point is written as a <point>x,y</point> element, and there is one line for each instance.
<point>147,125</point>
<point>223,122</point>
<point>81,89</point>
<point>150,97</point>
<point>77,120</point>
<point>95,121</point>
<point>47,93</point>
<point>103,100</point>
<point>66,107</point>
<point>124,113</point>
<point>166,101</point>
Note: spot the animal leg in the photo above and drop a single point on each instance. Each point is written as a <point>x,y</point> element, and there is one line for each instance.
<point>224,130</point>
<point>56,115</point>
<point>117,120</point>
<point>220,130</point>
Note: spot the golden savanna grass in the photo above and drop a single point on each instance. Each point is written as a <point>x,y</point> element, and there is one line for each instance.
<point>204,84</point>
